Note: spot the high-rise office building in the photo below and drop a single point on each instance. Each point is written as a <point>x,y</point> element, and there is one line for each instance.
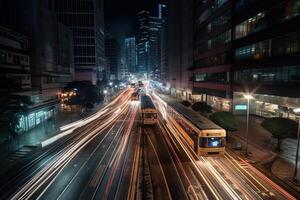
<point>162,15</point>
<point>179,54</point>
<point>143,46</point>
<point>246,47</point>
<point>266,51</point>
<point>151,42</point>
<point>50,59</point>
<point>86,20</point>
<point>130,54</point>
<point>14,62</point>
<point>111,53</point>
<point>212,53</point>
<point>37,20</point>
<point>155,33</point>
<point>162,11</point>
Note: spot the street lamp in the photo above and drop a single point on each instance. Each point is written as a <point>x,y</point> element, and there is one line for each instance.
<point>248,97</point>
<point>297,111</point>
<point>104,91</point>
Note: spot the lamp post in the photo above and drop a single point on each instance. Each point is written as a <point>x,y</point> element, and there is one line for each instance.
<point>248,97</point>
<point>297,111</point>
<point>105,95</point>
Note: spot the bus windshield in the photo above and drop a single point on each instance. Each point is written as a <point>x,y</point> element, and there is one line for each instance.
<point>212,142</point>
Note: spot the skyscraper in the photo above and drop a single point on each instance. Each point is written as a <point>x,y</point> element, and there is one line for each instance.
<point>155,35</point>
<point>111,53</point>
<point>149,47</point>
<point>37,20</point>
<point>130,54</point>
<point>212,53</point>
<point>266,51</point>
<point>86,20</point>
<point>143,46</point>
<point>179,47</point>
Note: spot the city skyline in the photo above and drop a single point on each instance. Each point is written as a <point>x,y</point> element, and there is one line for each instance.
<point>150,99</point>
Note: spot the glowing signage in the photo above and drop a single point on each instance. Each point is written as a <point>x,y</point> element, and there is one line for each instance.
<point>240,107</point>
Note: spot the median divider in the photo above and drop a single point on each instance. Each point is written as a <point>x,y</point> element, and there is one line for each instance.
<point>55,138</point>
<point>69,128</point>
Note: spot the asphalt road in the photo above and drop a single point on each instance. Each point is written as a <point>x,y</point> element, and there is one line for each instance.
<point>228,177</point>
<point>101,159</point>
<point>94,162</point>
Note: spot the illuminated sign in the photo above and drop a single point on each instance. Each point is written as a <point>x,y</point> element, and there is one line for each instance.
<point>240,107</point>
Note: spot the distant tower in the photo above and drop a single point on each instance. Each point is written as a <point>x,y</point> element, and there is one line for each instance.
<point>143,42</point>
<point>130,54</point>
<point>86,20</point>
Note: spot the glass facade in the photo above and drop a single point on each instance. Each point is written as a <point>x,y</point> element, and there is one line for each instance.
<point>219,40</point>
<point>220,77</point>
<point>268,75</point>
<point>218,59</point>
<point>277,14</point>
<point>250,25</point>
<point>286,44</point>
<point>85,19</point>
<point>219,22</point>
<point>214,42</point>
<point>211,7</point>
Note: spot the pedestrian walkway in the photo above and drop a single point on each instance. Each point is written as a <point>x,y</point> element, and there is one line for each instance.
<point>15,156</point>
<point>11,148</point>
<point>261,148</point>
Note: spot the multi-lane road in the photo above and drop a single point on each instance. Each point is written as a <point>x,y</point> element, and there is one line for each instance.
<point>110,155</point>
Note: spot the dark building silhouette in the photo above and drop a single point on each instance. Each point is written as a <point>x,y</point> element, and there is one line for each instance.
<point>266,51</point>
<point>130,54</point>
<point>37,20</point>
<point>143,46</point>
<point>86,20</point>
<point>15,72</point>
<point>179,54</point>
<point>212,53</point>
<point>111,53</point>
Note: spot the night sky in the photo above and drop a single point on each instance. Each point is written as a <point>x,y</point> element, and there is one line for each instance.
<point>127,8</point>
<point>120,16</point>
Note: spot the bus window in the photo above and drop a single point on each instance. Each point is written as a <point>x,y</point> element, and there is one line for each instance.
<point>212,142</point>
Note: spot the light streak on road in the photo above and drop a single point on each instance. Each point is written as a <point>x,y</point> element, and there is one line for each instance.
<point>116,108</point>
<point>224,177</point>
<point>96,115</point>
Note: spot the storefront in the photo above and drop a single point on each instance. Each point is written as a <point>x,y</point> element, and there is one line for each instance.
<point>219,103</point>
<point>268,106</point>
<point>35,117</point>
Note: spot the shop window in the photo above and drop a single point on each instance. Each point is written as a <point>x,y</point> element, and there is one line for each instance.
<point>31,120</point>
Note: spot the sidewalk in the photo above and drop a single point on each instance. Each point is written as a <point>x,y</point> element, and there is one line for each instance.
<point>262,154</point>
<point>35,136</point>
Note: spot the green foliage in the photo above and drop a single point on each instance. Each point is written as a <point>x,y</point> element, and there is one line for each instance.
<point>225,119</point>
<point>280,128</point>
<point>186,103</point>
<point>86,93</point>
<point>202,107</point>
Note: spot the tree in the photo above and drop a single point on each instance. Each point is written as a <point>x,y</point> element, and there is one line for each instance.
<point>85,92</point>
<point>186,103</point>
<point>202,107</point>
<point>225,119</point>
<point>280,128</point>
